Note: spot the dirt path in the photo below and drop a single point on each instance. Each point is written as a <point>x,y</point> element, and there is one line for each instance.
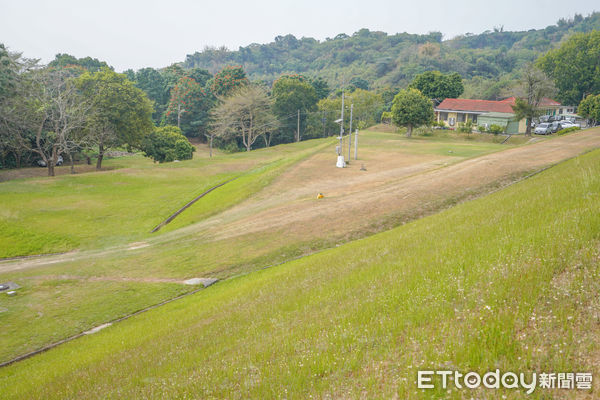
<point>290,204</point>
<point>394,183</point>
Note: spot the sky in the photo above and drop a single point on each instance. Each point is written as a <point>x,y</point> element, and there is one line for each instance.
<point>151,33</point>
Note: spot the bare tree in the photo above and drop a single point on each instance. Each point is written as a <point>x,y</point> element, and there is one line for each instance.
<point>246,114</point>
<point>49,115</point>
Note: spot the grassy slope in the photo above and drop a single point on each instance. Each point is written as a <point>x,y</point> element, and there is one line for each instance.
<point>457,290</point>
<point>96,210</point>
<point>42,314</point>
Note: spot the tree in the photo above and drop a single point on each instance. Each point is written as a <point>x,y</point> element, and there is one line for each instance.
<point>189,107</point>
<point>411,108</point>
<point>359,83</point>
<point>575,67</point>
<point>121,113</point>
<point>153,84</point>
<point>534,86</point>
<point>368,107</point>
<point>246,114</point>
<point>290,94</point>
<point>15,137</point>
<point>590,108</point>
<point>166,144</point>
<point>438,86</point>
<point>87,63</point>
<point>228,80</point>
<point>321,87</point>
<point>49,114</point>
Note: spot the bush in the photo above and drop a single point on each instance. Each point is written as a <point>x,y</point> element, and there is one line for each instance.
<point>465,127</point>
<point>166,144</point>
<point>567,130</point>
<point>496,129</point>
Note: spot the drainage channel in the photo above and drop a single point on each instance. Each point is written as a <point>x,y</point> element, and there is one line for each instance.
<point>206,282</point>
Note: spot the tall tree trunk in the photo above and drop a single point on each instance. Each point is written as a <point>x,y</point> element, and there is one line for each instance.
<point>72,163</point>
<point>409,130</point>
<point>18,159</point>
<point>88,160</point>
<point>100,156</point>
<point>528,127</point>
<point>52,162</point>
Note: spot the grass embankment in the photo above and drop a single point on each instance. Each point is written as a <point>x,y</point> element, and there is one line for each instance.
<point>508,281</point>
<point>48,215</point>
<point>57,299</point>
<point>70,297</point>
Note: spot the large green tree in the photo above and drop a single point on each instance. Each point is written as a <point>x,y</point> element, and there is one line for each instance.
<point>88,63</point>
<point>228,80</point>
<point>121,113</point>
<point>293,94</point>
<point>590,108</point>
<point>411,109</point>
<point>438,86</point>
<point>189,107</point>
<point>575,67</point>
<point>152,82</point>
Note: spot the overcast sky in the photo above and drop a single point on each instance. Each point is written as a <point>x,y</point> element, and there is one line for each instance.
<point>136,34</point>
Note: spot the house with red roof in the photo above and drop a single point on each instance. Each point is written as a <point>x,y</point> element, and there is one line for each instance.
<point>453,112</point>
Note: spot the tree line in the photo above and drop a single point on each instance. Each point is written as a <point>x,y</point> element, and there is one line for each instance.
<point>81,106</point>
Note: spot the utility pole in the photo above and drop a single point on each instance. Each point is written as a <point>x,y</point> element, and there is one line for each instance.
<point>298,137</point>
<point>350,132</point>
<point>342,124</point>
<point>355,143</point>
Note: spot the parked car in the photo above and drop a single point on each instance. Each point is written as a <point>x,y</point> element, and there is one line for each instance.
<point>543,129</point>
<point>569,124</point>
<point>544,119</point>
<point>59,162</point>
<point>555,126</point>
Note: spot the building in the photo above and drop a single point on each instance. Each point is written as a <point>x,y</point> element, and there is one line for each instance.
<point>453,112</point>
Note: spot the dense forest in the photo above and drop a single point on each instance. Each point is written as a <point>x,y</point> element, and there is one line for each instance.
<point>488,62</point>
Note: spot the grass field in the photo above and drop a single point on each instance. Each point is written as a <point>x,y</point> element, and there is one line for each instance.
<point>100,209</point>
<point>257,220</point>
<point>507,281</point>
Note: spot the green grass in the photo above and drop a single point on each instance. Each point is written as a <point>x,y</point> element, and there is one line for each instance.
<point>456,290</point>
<point>47,215</point>
<point>176,253</point>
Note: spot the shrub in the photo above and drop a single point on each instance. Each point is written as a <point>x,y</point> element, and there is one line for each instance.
<point>166,144</point>
<point>495,129</point>
<point>567,130</point>
<point>465,127</point>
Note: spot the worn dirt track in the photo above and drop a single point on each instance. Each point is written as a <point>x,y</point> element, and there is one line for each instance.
<point>395,183</point>
<point>355,198</point>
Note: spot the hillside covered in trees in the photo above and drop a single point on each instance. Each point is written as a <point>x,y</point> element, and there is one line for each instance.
<point>488,62</point>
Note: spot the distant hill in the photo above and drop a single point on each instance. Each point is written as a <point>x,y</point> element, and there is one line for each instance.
<point>483,60</point>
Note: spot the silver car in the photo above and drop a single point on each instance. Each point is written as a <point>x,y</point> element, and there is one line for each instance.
<point>59,162</point>
<point>543,129</point>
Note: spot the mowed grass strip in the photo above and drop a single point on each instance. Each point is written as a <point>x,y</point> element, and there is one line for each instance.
<point>455,290</point>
